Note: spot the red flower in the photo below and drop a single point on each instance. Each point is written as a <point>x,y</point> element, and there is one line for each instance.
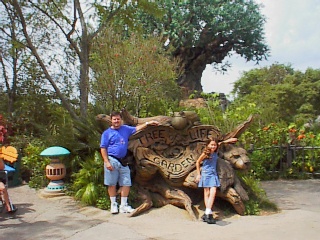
<point>265,128</point>
<point>301,136</point>
<point>292,130</point>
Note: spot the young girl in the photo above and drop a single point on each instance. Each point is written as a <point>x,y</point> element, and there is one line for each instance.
<point>208,176</point>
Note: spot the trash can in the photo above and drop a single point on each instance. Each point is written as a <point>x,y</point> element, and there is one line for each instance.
<point>13,161</point>
<point>14,178</point>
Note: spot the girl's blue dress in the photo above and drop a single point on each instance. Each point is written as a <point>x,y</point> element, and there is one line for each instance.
<point>209,175</point>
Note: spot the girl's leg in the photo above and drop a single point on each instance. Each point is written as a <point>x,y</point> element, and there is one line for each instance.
<point>206,196</point>
<point>209,194</point>
<point>212,195</point>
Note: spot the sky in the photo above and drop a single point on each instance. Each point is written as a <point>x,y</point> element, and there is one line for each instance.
<point>292,34</point>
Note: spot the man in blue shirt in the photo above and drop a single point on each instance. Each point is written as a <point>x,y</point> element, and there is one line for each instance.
<point>114,147</point>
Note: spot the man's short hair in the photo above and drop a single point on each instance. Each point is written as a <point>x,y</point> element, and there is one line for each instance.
<point>115,113</point>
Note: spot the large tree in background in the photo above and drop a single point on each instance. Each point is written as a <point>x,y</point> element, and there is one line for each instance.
<point>206,31</point>
<point>59,34</point>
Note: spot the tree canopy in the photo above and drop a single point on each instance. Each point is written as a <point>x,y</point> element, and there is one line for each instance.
<point>282,93</point>
<point>204,32</point>
<point>133,72</point>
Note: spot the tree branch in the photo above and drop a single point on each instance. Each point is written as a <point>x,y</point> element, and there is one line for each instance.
<point>68,35</point>
<point>104,24</point>
<point>40,62</point>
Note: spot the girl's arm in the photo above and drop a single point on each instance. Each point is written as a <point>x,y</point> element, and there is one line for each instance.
<point>230,140</point>
<point>198,162</point>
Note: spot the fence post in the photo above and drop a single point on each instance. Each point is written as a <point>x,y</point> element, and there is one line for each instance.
<point>290,156</point>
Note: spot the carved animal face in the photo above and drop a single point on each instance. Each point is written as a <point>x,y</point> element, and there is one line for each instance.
<point>103,117</point>
<point>237,156</point>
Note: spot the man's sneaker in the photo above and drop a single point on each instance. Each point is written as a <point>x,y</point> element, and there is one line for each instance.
<point>114,208</point>
<point>126,209</point>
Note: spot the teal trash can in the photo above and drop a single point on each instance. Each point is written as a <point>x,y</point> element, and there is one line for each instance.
<point>14,178</point>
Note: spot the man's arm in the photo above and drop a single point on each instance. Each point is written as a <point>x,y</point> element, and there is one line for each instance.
<point>106,161</point>
<point>144,125</point>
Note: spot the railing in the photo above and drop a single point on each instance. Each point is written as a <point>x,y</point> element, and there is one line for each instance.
<point>286,161</point>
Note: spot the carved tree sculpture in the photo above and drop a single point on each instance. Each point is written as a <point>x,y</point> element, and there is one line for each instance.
<point>165,158</point>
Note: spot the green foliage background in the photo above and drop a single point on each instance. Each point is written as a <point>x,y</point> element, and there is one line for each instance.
<point>126,68</point>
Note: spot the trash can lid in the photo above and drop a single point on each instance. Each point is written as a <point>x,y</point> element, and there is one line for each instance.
<point>8,168</point>
<point>55,151</point>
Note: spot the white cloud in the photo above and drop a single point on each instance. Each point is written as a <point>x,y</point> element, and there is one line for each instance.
<point>292,35</point>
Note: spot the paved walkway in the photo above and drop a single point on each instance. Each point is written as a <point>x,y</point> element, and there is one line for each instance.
<point>61,218</point>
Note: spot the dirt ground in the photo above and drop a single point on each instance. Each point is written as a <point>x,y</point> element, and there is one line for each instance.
<point>62,218</point>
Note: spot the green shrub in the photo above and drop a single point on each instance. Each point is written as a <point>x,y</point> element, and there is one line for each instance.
<point>88,182</point>
<point>258,200</point>
<point>33,165</point>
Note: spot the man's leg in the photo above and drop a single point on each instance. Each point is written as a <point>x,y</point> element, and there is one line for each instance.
<point>112,191</point>
<point>125,183</point>
<point>110,180</point>
<point>125,190</point>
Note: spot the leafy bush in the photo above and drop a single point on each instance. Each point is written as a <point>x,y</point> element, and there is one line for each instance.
<point>257,197</point>
<point>275,143</point>
<point>33,165</point>
<point>88,182</point>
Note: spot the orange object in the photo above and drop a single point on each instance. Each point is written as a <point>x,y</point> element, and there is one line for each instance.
<point>55,170</point>
<point>9,154</point>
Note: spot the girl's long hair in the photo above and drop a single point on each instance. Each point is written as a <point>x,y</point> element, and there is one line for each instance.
<point>207,151</point>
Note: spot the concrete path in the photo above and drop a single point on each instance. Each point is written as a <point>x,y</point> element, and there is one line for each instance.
<point>62,218</point>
